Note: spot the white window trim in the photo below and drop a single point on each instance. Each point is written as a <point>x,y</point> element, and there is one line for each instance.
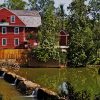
<point>14,30</point>
<point>2,41</point>
<point>15,42</point>
<point>5,30</point>
<point>11,19</point>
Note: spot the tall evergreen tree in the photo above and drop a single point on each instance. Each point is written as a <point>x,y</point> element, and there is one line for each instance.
<point>95,21</point>
<point>81,48</point>
<point>60,13</point>
<point>47,36</point>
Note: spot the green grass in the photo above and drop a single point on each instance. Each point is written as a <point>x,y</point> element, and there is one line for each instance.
<point>80,78</point>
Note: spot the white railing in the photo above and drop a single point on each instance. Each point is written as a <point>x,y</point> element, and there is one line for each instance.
<point>4,23</point>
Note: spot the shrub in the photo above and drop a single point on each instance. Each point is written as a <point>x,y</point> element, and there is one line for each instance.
<point>97,62</point>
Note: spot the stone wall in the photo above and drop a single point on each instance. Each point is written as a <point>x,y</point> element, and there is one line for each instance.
<point>26,87</point>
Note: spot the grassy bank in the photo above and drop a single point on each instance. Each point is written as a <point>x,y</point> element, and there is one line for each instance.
<point>80,78</point>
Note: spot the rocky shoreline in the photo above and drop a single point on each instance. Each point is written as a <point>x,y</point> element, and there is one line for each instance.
<point>27,87</point>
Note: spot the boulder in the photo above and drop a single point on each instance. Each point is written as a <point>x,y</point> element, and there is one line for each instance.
<point>45,94</point>
<point>26,87</point>
<point>19,79</point>
<point>2,70</point>
<point>10,77</point>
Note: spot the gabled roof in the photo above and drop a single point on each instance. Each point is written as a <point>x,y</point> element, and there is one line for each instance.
<point>29,18</point>
<point>31,21</point>
<point>64,32</point>
<point>26,13</point>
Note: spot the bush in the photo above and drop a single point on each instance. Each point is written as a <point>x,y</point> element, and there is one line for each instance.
<point>45,54</point>
<point>97,62</point>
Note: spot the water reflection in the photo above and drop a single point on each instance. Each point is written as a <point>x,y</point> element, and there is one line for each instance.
<point>23,98</point>
<point>1,97</point>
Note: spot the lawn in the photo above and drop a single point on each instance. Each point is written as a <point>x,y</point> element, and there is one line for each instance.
<point>80,78</point>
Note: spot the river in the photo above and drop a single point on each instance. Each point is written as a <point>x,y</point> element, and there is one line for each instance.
<point>9,92</point>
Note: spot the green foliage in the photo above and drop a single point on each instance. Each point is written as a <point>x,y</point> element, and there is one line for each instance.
<point>45,54</point>
<point>95,9</point>
<point>40,5</point>
<point>15,4</point>
<point>81,48</point>
<point>47,37</point>
<point>95,21</point>
<point>97,62</point>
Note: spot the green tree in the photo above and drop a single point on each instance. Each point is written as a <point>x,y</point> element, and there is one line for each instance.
<point>47,37</point>
<point>15,4</point>
<point>81,49</point>
<point>62,17</point>
<point>95,9</point>
<point>40,5</point>
<point>95,21</point>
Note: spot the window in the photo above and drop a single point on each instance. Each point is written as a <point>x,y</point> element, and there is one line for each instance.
<point>16,41</point>
<point>16,30</point>
<point>4,41</point>
<point>4,30</point>
<point>12,19</point>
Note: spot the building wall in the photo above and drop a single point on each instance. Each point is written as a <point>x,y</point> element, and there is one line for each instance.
<point>63,39</point>
<point>6,14</point>
<point>10,36</point>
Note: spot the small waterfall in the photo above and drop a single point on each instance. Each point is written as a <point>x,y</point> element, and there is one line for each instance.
<point>14,82</point>
<point>2,76</point>
<point>34,94</point>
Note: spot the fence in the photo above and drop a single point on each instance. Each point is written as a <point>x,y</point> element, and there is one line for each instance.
<point>12,53</point>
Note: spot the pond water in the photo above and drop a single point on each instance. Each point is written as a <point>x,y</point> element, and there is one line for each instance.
<point>9,92</point>
<point>80,78</point>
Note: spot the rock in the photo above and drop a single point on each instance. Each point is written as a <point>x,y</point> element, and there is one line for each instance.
<point>1,73</point>
<point>10,77</point>
<point>2,70</point>
<point>19,79</point>
<point>26,87</point>
<point>45,94</point>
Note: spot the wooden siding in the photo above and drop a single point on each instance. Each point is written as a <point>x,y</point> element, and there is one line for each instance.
<point>10,36</point>
<point>6,14</point>
<point>12,53</point>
